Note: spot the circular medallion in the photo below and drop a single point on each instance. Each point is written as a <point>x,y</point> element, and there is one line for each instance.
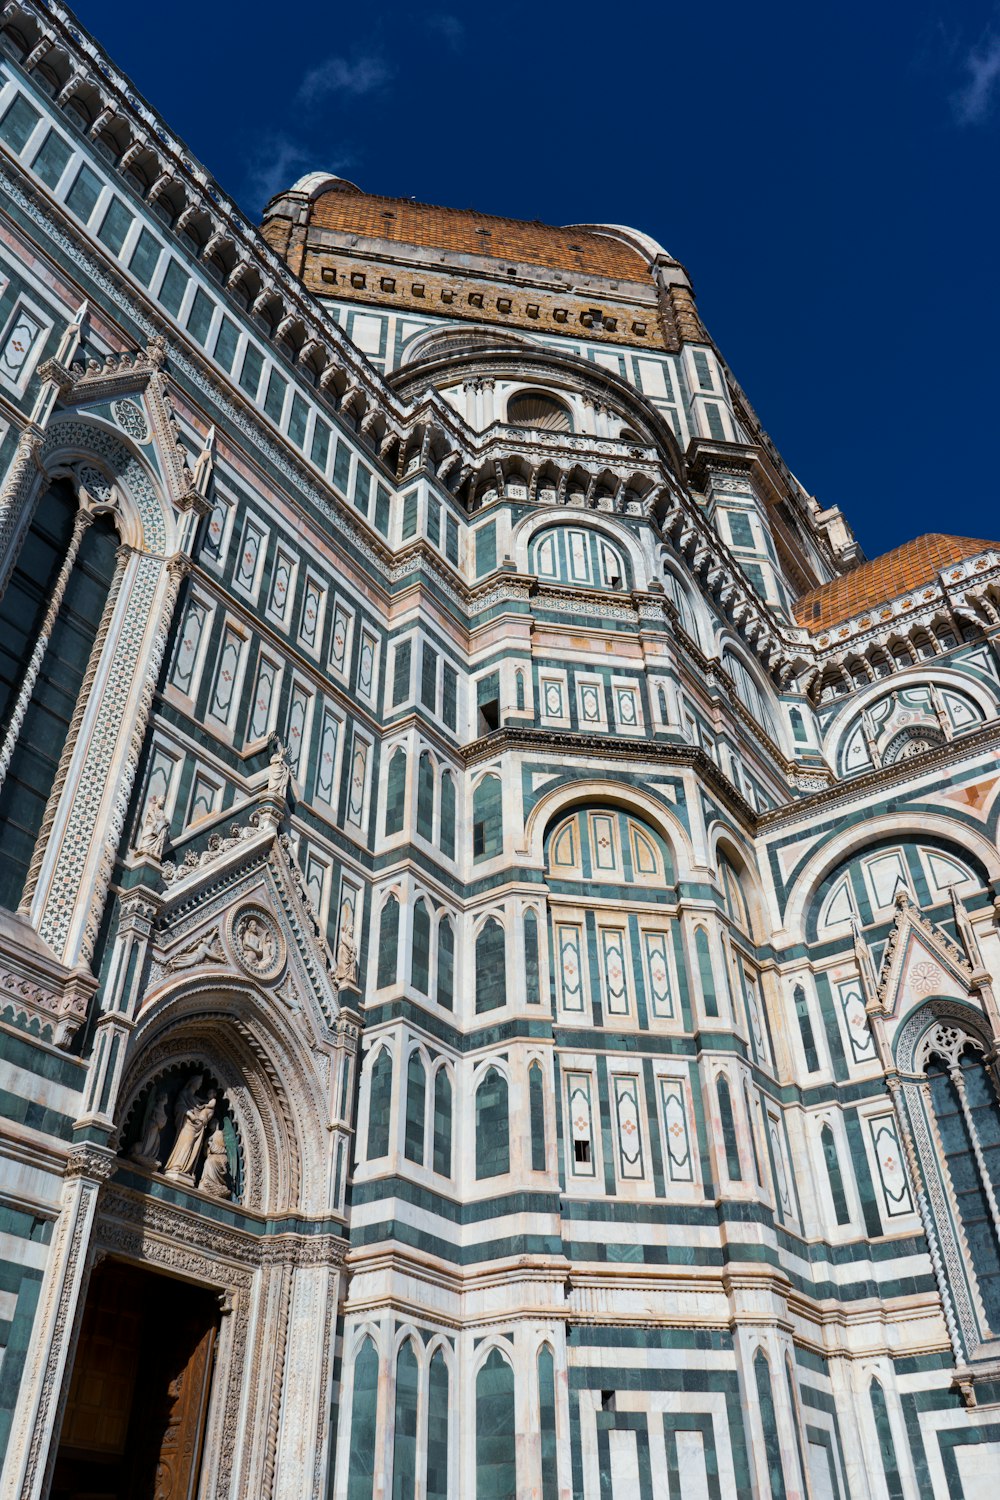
<point>130,419</point>
<point>96,484</point>
<point>257,943</point>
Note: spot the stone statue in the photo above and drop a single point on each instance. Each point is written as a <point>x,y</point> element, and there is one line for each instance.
<point>187,1147</point>
<point>207,947</point>
<point>215,1173</point>
<point>256,942</point>
<point>155,825</point>
<point>146,1150</point>
<point>279,771</point>
<point>188,1097</point>
<point>346,971</point>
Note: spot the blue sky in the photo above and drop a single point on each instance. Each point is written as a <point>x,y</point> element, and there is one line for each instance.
<point>828,175</point>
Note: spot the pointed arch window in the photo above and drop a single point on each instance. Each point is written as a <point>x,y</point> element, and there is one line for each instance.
<point>886,1442</point>
<point>416,1102</point>
<point>437,1428</point>
<point>491,966</point>
<point>531,975</point>
<point>395,792</point>
<point>834,1175</point>
<point>50,619</point>
<point>967,1118</point>
<point>380,1105</point>
<point>536,1113</point>
<point>388,943</point>
<point>496,1465</point>
<point>364,1411</point>
<point>492,1126</point>
<point>447,838</point>
<point>724,1098</point>
<point>772,1446</point>
<point>425,796</point>
<point>442,1123</point>
<point>446,964</point>
<point>420,959</point>
<point>404,1436</point>
<point>547,1422</point>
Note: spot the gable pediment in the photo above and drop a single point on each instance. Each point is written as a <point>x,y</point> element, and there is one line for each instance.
<point>239,909</point>
<point>920,962</point>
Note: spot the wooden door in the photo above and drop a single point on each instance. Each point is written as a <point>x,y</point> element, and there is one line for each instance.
<point>138,1399</point>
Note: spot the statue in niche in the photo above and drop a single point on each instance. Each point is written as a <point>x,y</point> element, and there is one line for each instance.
<point>279,771</point>
<point>188,1097</point>
<point>215,1173</point>
<point>187,1147</point>
<point>346,971</point>
<point>146,1150</point>
<point>155,825</point>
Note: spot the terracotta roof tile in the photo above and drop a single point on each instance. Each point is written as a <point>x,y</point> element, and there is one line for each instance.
<point>469,232</point>
<point>884,578</point>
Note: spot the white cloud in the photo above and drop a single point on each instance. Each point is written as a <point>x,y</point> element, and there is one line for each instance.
<point>347,77</point>
<point>276,162</point>
<point>449,28</point>
<point>976,99</point>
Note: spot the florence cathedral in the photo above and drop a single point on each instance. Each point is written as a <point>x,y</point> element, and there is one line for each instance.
<point>498,895</point>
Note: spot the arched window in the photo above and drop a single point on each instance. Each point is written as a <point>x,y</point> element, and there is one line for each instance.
<point>446,964</point>
<point>395,792</point>
<point>487,818</point>
<point>540,410</point>
<point>547,1422</point>
<point>805,1028</point>
<point>416,1102</point>
<point>708,994</point>
<point>578,555</point>
<point>420,959</point>
<point>388,943</point>
<point>794,1408</point>
<point>733,894</point>
<point>496,1464</point>
<point>448,815</point>
<point>768,1421</point>
<point>404,1436</point>
<point>886,1442</point>
<point>733,1167</point>
<point>380,1105</point>
<point>364,1414</point>
<point>866,885</point>
<point>903,723</point>
<point>750,694</point>
<point>536,1114</point>
<point>54,601</point>
<point>491,966</point>
<point>492,1126</point>
<point>531,988</point>
<point>425,796</point>
<point>442,1123</point>
<point>752,1124</point>
<point>967,1119</point>
<point>835,1176</point>
<point>437,1428</point>
<point>677,595</point>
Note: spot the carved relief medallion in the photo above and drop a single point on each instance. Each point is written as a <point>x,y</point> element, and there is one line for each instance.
<point>256,943</point>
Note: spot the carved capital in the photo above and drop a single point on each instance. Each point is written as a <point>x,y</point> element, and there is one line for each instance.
<point>96,1163</point>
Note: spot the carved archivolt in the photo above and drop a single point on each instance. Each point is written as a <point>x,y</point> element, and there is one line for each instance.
<point>278,1101</point>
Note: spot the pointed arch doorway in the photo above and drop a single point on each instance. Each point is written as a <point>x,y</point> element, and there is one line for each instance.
<point>135,1416</point>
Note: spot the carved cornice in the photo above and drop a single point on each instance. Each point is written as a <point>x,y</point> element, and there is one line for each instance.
<point>883,780</point>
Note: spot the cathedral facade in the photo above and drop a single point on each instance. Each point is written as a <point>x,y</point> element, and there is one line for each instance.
<point>497,894</point>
